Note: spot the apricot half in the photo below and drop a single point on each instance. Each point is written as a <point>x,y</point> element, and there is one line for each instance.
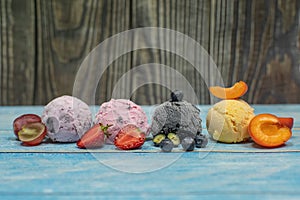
<point>234,92</point>
<point>267,130</point>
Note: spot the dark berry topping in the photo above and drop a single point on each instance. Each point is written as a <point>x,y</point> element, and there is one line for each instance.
<point>188,144</point>
<point>201,141</point>
<point>176,96</point>
<point>166,145</point>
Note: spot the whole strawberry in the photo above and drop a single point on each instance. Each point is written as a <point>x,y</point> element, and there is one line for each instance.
<point>95,137</point>
<point>129,137</point>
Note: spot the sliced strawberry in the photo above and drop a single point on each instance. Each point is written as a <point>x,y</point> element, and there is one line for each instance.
<point>95,137</point>
<point>129,137</point>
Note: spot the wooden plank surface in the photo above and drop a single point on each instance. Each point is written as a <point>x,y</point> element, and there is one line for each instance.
<point>219,175</point>
<point>227,171</point>
<point>44,42</point>
<point>9,144</point>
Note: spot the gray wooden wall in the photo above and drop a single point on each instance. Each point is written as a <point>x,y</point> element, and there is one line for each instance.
<point>43,43</point>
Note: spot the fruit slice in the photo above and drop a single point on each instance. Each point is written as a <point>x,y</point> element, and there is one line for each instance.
<point>287,121</point>
<point>234,92</point>
<point>95,137</point>
<point>129,137</point>
<point>24,119</point>
<point>174,138</point>
<point>157,139</point>
<point>267,131</point>
<point>32,134</point>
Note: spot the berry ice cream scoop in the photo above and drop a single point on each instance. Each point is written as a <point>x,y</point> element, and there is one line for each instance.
<point>120,112</point>
<point>67,118</point>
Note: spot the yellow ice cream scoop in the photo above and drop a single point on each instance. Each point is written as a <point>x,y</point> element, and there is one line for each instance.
<point>227,121</point>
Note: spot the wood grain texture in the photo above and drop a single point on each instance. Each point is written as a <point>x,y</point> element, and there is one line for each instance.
<point>17,52</point>
<point>44,42</point>
<point>217,176</point>
<point>68,31</point>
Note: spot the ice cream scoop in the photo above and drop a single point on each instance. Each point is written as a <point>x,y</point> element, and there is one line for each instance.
<point>178,116</point>
<point>67,118</point>
<point>118,113</point>
<point>227,121</point>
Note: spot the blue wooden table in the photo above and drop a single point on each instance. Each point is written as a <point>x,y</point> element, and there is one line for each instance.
<point>227,171</point>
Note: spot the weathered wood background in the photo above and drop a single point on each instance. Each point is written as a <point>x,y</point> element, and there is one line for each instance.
<point>43,43</point>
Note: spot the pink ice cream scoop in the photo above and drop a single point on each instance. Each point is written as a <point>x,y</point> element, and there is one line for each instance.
<point>120,112</point>
<point>67,119</point>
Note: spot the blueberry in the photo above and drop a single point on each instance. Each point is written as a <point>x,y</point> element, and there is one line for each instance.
<point>188,144</point>
<point>166,145</point>
<point>176,96</point>
<point>201,141</point>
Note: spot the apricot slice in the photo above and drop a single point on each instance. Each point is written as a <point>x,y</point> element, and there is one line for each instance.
<point>267,131</point>
<point>287,121</point>
<point>32,134</point>
<point>234,92</point>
